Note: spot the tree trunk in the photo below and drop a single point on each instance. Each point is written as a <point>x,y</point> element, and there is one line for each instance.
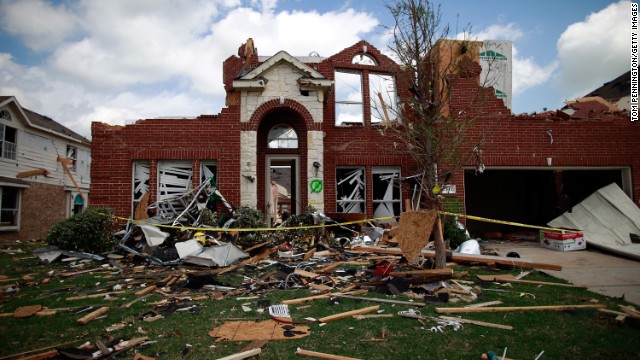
<point>441,251</point>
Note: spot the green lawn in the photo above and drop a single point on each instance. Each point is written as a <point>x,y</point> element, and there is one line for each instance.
<point>579,334</point>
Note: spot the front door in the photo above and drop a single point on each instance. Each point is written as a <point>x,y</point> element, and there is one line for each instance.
<point>283,182</point>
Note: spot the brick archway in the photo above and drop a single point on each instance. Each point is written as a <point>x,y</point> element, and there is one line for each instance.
<point>273,105</point>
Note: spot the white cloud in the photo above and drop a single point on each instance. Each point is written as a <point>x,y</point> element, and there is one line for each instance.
<point>125,60</point>
<point>594,51</point>
<point>526,73</point>
<point>39,24</point>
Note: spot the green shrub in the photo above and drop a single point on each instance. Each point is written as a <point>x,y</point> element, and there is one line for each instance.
<point>90,231</point>
<point>453,233</point>
<point>249,218</point>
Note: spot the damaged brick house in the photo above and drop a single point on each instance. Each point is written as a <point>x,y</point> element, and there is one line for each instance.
<point>301,131</point>
<point>44,172</point>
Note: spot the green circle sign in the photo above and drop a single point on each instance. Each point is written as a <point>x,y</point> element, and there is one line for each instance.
<point>315,185</point>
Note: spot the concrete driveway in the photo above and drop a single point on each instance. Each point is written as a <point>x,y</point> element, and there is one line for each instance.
<point>602,273</point>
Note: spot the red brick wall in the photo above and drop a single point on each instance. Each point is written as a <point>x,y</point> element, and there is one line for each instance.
<point>43,206</point>
<point>114,148</point>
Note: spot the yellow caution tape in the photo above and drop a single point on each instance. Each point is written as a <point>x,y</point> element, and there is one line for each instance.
<point>470,217</point>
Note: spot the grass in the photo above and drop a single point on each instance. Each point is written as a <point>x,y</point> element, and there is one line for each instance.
<point>583,334</point>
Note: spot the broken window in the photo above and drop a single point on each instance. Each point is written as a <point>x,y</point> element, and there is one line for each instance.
<point>8,137</point>
<point>140,189</point>
<point>386,191</point>
<point>72,154</point>
<point>78,204</point>
<point>283,137</point>
<point>364,59</point>
<point>174,179</point>
<point>349,98</point>
<point>5,115</point>
<point>9,207</point>
<point>350,190</point>
<point>383,98</point>
<point>208,169</point>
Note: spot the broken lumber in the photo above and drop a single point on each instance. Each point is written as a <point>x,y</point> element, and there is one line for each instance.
<point>508,278</point>
<point>263,255</point>
<point>518,308</point>
<point>479,323</point>
<point>243,355</point>
<point>30,173</point>
<point>488,303</point>
<point>467,258</point>
<point>93,296</point>
<point>349,314</point>
<point>146,290</point>
<point>42,356</point>
<point>26,311</point>
<point>630,311</point>
<point>320,355</point>
<point>423,272</point>
<point>323,296</point>
<point>386,301</point>
<point>41,349</point>
<point>91,316</point>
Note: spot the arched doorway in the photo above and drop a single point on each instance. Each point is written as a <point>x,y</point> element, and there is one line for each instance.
<point>282,144</point>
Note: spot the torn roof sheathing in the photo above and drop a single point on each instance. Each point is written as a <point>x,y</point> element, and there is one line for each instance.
<point>607,218</point>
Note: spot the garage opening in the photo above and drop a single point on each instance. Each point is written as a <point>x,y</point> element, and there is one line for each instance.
<point>529,196</point>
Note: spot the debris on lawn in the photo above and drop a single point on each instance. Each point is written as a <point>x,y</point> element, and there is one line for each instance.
<point>182,254</point>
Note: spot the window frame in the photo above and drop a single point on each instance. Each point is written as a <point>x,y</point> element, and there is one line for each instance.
<point>346,103</point>
<point>15,225</point>
<point>347,171</point>
<point>72,154</point>
<point>4,148</point>
<point>375,170</point>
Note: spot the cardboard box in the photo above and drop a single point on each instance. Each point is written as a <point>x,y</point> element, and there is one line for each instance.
<point>569,240</point>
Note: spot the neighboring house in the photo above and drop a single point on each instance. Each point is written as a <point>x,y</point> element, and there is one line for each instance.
<point>312,120</point>
<point>37,191</point>
<point>616,91</point>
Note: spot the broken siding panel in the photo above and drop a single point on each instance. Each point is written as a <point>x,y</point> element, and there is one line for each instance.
<point>174,179</point>
<point>386,192</point>
<point>350,190</point>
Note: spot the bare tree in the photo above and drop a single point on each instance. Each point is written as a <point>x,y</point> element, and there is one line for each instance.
<point>430,131</point>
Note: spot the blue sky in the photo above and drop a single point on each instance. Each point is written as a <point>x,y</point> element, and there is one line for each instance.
<point>117,61</point>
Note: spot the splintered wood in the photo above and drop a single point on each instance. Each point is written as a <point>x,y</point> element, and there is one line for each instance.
<point>264,330</point>
<point>415,230</point>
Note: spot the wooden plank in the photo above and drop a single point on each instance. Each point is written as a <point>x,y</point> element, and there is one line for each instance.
<point>488,303</point>
<point>518,308</point>
<point>146,290</point>
<point>467,258</point>
<point>243,355</point>
<point>423,272</point>
<point>41,349</point>
<point>479,323</point>
<point>316,297</point>
<point>320,355</point>
<point>30,173</point>
<point>45,355</point>
<point>630,311</point>
<point>508,278</point>
<point>386,301</point>
<point>330,267</point>
<point>91,316</point>
<point>93,296</point>
<point>64,163</point>
<point>349,314</point>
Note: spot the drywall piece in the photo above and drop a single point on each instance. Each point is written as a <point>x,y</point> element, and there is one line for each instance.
<point>153,235</point>
<point>188,248</point>
<point>47,254</point>
<point>415,230</point>
<point>264,330</point>
<point>607,218</point>
<point>222,255</point>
